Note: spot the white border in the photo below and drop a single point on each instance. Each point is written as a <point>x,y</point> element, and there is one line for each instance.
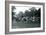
<point>24,29</point>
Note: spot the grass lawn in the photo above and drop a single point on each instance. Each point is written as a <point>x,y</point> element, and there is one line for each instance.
<point>25,24</point>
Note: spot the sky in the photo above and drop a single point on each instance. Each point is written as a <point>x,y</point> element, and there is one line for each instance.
<point>22,8</point>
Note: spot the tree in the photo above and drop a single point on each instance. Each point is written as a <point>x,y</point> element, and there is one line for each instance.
<point>13,13</point>
<point>20,14</point>
<point>26,13</point>
<point>33,10</point>
<point>37,13</point>
<point>39,10</point>
<point>13,7</point>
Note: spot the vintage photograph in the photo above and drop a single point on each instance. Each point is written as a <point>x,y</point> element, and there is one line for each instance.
<point>25,17</point>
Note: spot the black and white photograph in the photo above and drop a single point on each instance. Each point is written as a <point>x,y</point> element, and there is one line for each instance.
<point>25,16</point>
